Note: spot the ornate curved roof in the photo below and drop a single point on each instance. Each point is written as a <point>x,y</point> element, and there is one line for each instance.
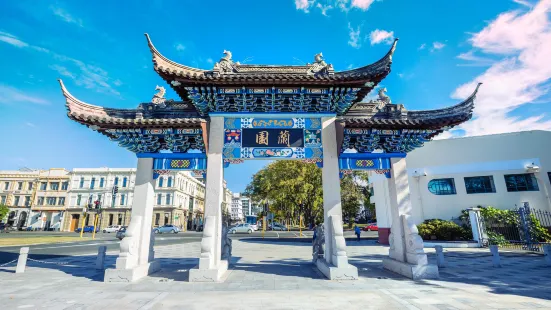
<point>174,115</point>
<point>226,72</point>
<point>378,114</point>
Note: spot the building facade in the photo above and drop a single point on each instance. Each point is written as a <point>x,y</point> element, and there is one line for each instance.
<point>447,176</point>
<point>17,189</point>
<point>236,208</point>
<point>246,205</point>
<point>91,185</point>
<point>50,200</point>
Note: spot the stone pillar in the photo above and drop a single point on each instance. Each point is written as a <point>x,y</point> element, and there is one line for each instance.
<point>211,268</point>
<point>406,254</point>
<point>134,261</point>
<point>335,264</point>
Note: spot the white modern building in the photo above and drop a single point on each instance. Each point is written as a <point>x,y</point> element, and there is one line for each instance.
<point>89,185</point>
<point>246,205</point>
<point>447,176</point>
<point>236,208</point>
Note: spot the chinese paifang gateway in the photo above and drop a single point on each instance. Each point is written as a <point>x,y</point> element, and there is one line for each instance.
<point>226,115</point>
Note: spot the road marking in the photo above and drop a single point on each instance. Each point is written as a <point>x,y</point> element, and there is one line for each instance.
<point>74,245</point>
<point>295,235</point>
<point>277,234</point>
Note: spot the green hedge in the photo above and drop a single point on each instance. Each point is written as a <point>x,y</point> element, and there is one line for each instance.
<point>441,230</point>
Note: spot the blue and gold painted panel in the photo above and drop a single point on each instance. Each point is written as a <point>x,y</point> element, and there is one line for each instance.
<point>164,165</point>
<point>153,140</point>
<point>388,140</point>
<point>272,138</point>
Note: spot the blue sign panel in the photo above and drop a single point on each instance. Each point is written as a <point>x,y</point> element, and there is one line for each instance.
<point>272,138</point>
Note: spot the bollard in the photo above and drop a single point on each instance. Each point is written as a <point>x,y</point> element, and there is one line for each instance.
<point>100,260</point>
<point>440,260</point>
<point>547,253</point>
<point>495,255</point>
<point>22,261</point>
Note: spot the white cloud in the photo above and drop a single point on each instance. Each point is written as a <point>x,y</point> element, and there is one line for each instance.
<point>180,47</point>
<point>474,60</point>
<point>437,46</point>
<point>324,8</point>
<point>11,39</point>
<point>210,61</point>
<point>520,77</point>
<point>30,124</point>
<point>303,5</point>
<point>89,76</point>
<point>381,36</point>
<point>523,2</point>
<point>362,4</point>
<point>422,47</point>
<point>10,95</point>
<point>65,16</point>
<point>354,36</point>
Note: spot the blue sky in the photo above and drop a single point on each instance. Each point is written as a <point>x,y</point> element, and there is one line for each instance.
<point>99,50</point>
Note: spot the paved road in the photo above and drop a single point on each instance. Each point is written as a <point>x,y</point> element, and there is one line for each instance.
<point>43,251</point>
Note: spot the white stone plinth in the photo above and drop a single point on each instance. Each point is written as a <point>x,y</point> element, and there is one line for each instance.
<point>345,272</point>
<point>209,275</point>
<point>132,274</point>
<point>415,272</point>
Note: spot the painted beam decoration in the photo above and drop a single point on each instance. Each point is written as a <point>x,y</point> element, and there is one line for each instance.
<point>195,162</point>
<point>387,140</point>
<point>153,140</point>
<point>272,138</point>
<point>273,100</point>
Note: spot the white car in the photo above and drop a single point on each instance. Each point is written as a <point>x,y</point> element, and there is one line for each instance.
<point>112,229</point>
<point>254,226</point>
<point>241,228</point>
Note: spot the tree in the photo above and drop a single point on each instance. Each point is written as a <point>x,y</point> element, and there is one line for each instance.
<point>4,210</point>
<point>353,188</point>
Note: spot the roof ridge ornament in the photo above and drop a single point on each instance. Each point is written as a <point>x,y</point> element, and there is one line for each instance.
<point>226,64</point>
<point>319,66</point>
<point>159,97</point>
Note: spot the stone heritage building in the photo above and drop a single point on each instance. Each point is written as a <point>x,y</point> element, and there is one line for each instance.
<point>502,171</point>
<point>235,112</point>
<point>17,191</point>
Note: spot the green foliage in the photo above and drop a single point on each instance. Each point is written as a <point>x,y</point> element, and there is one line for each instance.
<point>351,196</point>
<point>497,239</point>
<point>436,229</point>
<point>538,232</point>
<point>4,210</point>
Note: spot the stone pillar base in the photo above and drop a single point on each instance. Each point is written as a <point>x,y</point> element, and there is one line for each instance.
<point>133,274</point>
<point>415,272</point>
<point>209,275</point>
<point>347,272</point>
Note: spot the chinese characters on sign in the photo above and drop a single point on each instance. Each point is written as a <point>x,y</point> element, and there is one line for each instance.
<point>292,137</point>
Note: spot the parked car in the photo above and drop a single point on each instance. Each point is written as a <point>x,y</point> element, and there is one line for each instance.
<point>167,229</point>
<point>241,228</point>
<point>121,233</point>
<point>112,228</point>
<point>87,229</point>
<point>278,227</point>
<point>371,227</point>
<point>254,226</point>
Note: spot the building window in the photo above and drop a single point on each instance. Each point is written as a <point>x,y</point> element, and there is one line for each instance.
<point>549,176</point>
<point>122,199</point>
<point>101,181</point>
<point>477,185</point>
<point>159,199</point>
<point>61,201</point>
<point>168,199</point>
<point>116,181</point>
<point>81,185</point>
<point>43,186</point>
<point>124,181</point>
<point>93,183</point>
<point>16,201</point>
<point>19,186</point>
<point>111,219</point>
<point>161,182</point>
<point>79,197</point>
<point>50,201</point>
<point>119,221</point>
<point>99,198</point>
<point>521,182</point>
<point>40,201</point>
<point>65,186</point>
<point>169,183</point>
<point>167,216</point>
<point>157,218</point>
<point>6,186</point>
<point>90,199</point>
<point>29,186</point>
<point>3,200</point>
<point>442,187</point>
<point>27,201</point>
<point>54,186</point>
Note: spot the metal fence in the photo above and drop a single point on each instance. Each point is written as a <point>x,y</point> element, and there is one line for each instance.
<point>521,229</point>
